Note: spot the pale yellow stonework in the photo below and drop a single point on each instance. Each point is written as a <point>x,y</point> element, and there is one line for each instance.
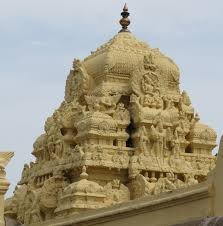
<point>4,184</point>
<point>124,131</point>
<point>199,202</point>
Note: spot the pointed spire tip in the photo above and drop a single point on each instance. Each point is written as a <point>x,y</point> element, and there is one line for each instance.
<point>125,9</point>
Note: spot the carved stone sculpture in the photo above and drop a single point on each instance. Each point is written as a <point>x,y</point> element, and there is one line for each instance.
<point>123,131</point>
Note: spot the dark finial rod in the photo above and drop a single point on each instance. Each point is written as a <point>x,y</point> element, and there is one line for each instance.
<point>125,20</point>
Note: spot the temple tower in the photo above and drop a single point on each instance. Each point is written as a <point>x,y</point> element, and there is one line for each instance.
<point>123,131</point>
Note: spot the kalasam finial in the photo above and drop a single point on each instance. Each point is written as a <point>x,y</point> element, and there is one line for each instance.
<point>125,20</point>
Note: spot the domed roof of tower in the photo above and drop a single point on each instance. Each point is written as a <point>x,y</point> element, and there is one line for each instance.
<point>123,54</point>
<point>84,185</point>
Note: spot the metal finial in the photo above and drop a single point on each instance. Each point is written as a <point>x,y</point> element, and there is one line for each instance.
<point>125,8</point>
<point>125,20</point>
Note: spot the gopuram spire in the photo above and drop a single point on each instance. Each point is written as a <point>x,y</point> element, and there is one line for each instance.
<point>125,20</point>
<point>123,131</point>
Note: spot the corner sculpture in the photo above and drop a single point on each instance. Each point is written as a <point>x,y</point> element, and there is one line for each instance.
<point>123,131</point>
<point>4,184</point>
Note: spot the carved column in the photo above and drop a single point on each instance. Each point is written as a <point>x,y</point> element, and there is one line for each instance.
<point>4,184</point>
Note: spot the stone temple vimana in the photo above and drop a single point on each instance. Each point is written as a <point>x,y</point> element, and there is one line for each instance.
<point>124,130</point>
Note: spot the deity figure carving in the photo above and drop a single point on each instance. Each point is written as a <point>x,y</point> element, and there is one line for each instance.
<point>40,148</point>
<point>148,85</point>
<point>154,101</point>
<point>181,131</point>
<point>146,186</point>
<point>164,184</point>
<point>158,136</point>
<point>140,187</point>
<point>106,104</point>
<point>143,140</point>
<point>121,113</point>
<point>133,167</point>
<point>116,192</point>
<point>78,153</point>
<point>175,144</point>
<point>178,183</point>
<point>25,172</point>
<point>78,82</point>
<point>190,179</point>
<point>148,61</point>
<point>185,103</point>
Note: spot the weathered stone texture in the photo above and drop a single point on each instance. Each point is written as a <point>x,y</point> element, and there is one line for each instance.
<point>123,131</point>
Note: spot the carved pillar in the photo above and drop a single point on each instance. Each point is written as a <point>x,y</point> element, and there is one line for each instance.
<point>4,184</point>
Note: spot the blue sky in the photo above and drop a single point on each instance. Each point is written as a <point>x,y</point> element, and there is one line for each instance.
<point>40,38</point>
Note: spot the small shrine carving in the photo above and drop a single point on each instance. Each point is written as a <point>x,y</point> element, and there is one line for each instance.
<point>123,131</point>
